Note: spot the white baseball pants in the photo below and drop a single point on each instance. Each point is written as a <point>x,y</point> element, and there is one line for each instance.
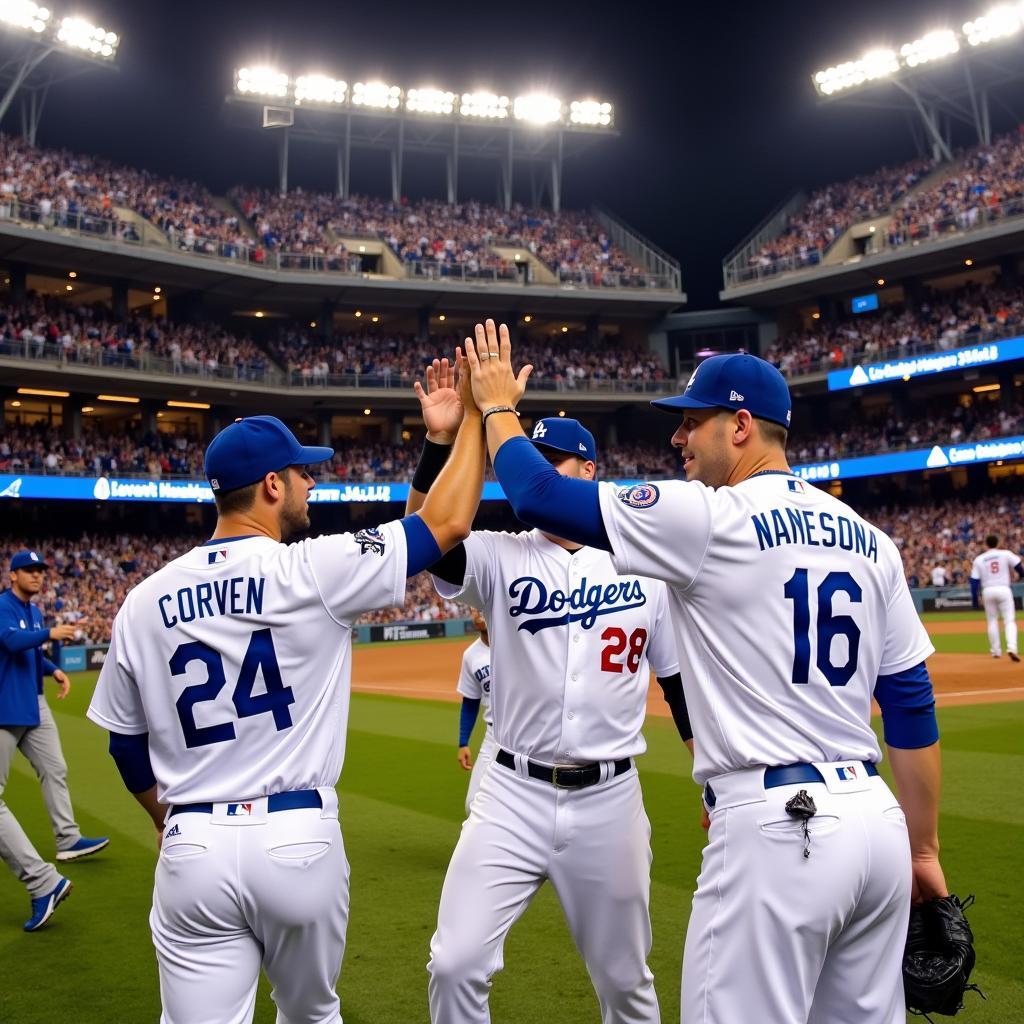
<point>233,894</point>
<point>998,602</point>
<point>485,755</point>
<point>594,846</point>
<point>804,940</point>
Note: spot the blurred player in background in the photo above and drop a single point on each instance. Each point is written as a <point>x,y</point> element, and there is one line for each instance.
<point>990,577</point>
<point>475,687</point>
<point>27,724</point>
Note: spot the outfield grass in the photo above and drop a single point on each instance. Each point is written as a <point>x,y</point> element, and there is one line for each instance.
<point>402,796</point>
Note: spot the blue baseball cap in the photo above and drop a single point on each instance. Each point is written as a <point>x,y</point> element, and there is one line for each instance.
<point>559,434</point>
<point>738,381</point>
<point>251,448</point>
<point>27,560</point>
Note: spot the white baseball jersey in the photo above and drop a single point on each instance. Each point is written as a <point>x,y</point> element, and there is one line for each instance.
<point>571,639</point>
<point>818,609</point>
<point>993,567</point>
<point>939,576</point>
<point>236,659</point>
<point>475,677</point>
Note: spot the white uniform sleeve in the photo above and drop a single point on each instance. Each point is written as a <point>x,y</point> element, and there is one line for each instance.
<point>658,530</point>
<point>477,586</point>
<point>116,702</point>
<point>662,654</point>
<point>906,641</point>
<point>356,572</point>
<point>468,686</point>
<point>976,568</point>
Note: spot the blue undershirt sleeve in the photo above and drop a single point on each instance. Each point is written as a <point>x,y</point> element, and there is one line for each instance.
<point>48,666</point>
<point>131,755</point>
<point>422,548</point>
<point>908,708</point>
<point>15,639</point>
<point>975,591</point>
<point>1019,569</point>
<point>540,496</point>
<point>467,719</point>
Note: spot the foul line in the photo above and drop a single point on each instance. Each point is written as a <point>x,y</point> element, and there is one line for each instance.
<point>982,693</point>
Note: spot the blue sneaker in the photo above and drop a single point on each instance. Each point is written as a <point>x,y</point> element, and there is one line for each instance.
<point>83,848</point>
<point>44,906</point>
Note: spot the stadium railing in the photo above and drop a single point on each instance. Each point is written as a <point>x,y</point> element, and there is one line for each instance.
<point>349,264</point>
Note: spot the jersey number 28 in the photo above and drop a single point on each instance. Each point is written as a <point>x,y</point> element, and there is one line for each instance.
<point>260,654</point>
<point>830,626</point>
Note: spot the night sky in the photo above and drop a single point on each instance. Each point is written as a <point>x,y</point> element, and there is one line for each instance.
<point>718,117</point>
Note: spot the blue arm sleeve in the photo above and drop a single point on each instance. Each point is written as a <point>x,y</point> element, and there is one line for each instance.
<point>15,639</point>
<point>908,708</point>
<point>131,755</point>
<point>467,718</point>
<point>48,666</point>
<point>975,591</point>
<point>422,547</point>
<point>540,496</point>
<point>1020,569</point>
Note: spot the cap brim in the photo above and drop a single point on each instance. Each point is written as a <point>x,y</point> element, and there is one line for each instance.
<point>562,451</point>
<point>308,455</point>
<point>683,402</point>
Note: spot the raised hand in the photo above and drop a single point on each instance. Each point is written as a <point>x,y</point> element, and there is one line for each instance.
<point>440,403</point>
<point>465,381</point>
<point>490,364</point>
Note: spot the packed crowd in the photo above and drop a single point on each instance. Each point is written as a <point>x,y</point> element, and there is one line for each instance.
<point>988,184</point>
<point>943,320</point>
<point>831,210</point>
<point>41,328</point>
<point>950,534</point>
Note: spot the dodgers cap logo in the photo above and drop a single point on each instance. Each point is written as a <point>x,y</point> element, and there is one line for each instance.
<point>251,447</point>
<point>739,381</point>
<point>561,434</point>
<point>27,560</point>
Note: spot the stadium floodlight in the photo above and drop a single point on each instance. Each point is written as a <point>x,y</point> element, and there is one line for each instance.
<point>873,65</point>
<point>376,94</point>
<point>483,104</point>
<point>24,14</point>
<point>261,81</point>
<point>1002,21</point>
<point>933,46</point>
<point>320,89</point>
<point>79,34</point>
<point>590,112</point>
<point>429,101</point>
<point>537,108</point>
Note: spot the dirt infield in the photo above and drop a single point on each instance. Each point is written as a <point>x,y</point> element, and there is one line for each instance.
<point>429,671</point>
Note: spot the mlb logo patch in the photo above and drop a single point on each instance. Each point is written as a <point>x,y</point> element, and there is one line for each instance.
<point>217,556</point>
<point>239,810</point>
<point>847,773</point>
<point>796,486</point>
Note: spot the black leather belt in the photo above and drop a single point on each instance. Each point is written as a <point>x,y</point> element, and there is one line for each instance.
<point>564,776</point>
<point>291,801</point>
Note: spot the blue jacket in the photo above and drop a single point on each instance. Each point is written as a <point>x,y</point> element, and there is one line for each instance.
<point>22,660</point>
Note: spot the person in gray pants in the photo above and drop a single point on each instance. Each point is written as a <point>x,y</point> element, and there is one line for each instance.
<point>27,724</point>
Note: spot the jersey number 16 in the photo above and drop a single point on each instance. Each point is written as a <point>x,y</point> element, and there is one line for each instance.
<point>829,626</point>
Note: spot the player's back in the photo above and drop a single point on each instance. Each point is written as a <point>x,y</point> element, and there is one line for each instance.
<point>236,658</point>
<point>994,566</point>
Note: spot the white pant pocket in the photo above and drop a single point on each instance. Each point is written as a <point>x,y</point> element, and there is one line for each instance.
<point>789,828</point>
<point>300,854</point>
<point>175,851</point>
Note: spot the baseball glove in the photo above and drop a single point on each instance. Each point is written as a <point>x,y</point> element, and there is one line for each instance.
<point>939,956</point>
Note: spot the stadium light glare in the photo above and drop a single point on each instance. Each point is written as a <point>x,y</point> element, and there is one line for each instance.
<point>1000,22</point>
<point>320,89</point>
<point>25,15</point>
<point>484,104</point>
<point>537,108</point>
<point>933,46</point>
<point>376,94</point>
<point>44,393</point>
<point>126,399</point>
<point>261,81</point>
<point>174,403</point>
<point>80,34</point>
<point>88,408</point>
<point>590,112</point>
<point>429,101</point>
<point>873,65</point>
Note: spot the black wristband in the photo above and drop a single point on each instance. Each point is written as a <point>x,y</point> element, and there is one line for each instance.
<point>432,460</point>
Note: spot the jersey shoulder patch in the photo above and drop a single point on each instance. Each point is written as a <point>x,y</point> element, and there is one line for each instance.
<point>639,495</point>
<point>370,541</point>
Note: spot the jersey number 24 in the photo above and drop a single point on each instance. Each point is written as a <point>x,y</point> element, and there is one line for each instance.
<point>260,654</point>
<point>829,626</point>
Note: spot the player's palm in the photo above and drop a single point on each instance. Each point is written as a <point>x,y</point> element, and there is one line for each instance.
<point>439,402</point>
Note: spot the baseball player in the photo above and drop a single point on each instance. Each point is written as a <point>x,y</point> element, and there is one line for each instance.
<point>940,575</point>
<point>226,694</point>
<point>571,640</point>
<point>990,576</point>
<point>27,724</point>
<point>475,687</point>
<point>802,903</point>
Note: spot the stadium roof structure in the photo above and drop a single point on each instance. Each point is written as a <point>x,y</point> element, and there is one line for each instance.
<point>538,130</point>
<point>37,51</point>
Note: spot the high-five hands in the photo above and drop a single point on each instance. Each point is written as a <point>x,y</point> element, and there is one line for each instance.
<point>490,364</point>
<point>440,403</point>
